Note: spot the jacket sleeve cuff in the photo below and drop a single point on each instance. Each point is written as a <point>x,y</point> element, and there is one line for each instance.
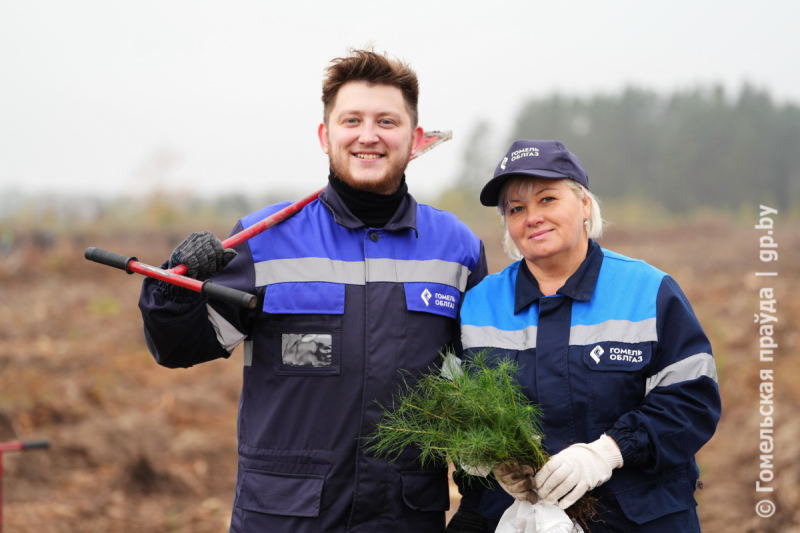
<point>609,451</point>
<point>634,449</point>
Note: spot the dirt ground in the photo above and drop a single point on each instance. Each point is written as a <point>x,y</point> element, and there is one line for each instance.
<point>140,448</point>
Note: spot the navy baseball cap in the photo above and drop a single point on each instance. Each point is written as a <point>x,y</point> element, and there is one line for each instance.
<point>540,159</point>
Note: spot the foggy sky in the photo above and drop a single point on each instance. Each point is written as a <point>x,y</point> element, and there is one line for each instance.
<point>216,97</point>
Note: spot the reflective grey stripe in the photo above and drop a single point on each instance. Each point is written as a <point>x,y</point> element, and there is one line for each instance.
<point>614,331</point>
<point>248,353</point>
<point>307,269</point>
<point>489,336</point>
<point>428,271</point>
<point>228,336</point>
<point>701,364</point>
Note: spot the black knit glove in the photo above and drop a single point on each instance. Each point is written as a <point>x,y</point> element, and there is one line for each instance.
<point>203,255</point>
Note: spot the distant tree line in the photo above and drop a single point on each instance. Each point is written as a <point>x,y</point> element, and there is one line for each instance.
<point>694,149</point>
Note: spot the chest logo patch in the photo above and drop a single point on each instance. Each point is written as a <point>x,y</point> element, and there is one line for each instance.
<point>426,296</point>
<point>596,352</point>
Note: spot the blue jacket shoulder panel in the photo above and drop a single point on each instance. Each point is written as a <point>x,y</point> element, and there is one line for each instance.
<point>443,230</point>
<point>626,289</point>
<point>313,247</point>
<point>487,304</point>
<point>263,213</point>
<point>310,233</point>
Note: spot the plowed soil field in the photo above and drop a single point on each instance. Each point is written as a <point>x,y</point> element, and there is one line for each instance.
<point>140,448</point>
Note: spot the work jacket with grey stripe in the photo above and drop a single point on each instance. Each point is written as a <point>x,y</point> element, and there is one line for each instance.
<point>616,350</point>
<point>341,309</point>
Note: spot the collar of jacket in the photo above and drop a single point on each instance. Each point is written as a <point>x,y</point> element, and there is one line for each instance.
<point>404,218</point>
<point>579,286</point>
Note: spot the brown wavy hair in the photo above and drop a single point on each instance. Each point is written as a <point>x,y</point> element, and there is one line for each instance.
<point>375,69</point>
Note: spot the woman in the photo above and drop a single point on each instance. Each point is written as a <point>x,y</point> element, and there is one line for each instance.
<point>608,346</point>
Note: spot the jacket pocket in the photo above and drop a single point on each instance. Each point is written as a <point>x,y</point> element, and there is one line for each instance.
<point>280,494</point>
<point>657,498</point>
<point>614,379</point>
<point>306,327</point>
<point>426,490</point>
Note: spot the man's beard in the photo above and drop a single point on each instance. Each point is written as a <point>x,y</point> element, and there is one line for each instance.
<point>388,184</point>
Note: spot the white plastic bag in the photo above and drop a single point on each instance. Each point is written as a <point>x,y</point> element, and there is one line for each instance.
<point>524,517</point>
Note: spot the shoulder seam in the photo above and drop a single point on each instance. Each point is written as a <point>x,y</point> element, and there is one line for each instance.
<point>625,259</point>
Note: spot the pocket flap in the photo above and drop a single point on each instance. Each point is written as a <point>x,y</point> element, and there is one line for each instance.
<point>426,491</point>
<point>653,500</point>
<point>313,298</point>
<point>617,356</point>
<point>280,494</point>
<point>433,298</point>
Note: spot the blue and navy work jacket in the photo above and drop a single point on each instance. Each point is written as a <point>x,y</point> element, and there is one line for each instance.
<point>342,308</point>
<point>616,350</point>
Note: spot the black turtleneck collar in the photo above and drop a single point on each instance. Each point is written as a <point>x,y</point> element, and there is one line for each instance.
<point>371,208</point>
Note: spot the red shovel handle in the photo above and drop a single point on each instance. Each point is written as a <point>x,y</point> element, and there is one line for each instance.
<point>16,446</point>
<point>19,445</point>
<point>176,275</point>
<point>259,227</point>
<point>207,288</point>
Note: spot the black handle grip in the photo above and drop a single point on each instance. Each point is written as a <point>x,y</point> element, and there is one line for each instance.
<point>104,257</point>
<point>226,294</point>
<point>33,444</point>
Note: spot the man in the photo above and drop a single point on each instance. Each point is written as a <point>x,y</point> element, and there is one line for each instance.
<point>360,284</point>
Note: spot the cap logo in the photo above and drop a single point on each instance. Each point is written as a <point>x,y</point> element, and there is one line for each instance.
<point>524,152</point>
<point>503,163</point>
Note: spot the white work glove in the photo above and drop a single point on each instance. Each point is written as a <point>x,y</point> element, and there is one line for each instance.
<point>517,481</point>
<point>477,471</point>
<point>573,471</point>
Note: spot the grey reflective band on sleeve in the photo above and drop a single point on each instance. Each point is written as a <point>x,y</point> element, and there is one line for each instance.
<point>308,269</point>
<point>321,269</point>
<point>491,337</point>
<point>248,353</point>
<point>693,367</point>
<point>614,331</point>
<point>428,271</point>
<point>228,336</point>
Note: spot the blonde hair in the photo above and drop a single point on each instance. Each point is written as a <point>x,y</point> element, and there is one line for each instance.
<point>523,186</point>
